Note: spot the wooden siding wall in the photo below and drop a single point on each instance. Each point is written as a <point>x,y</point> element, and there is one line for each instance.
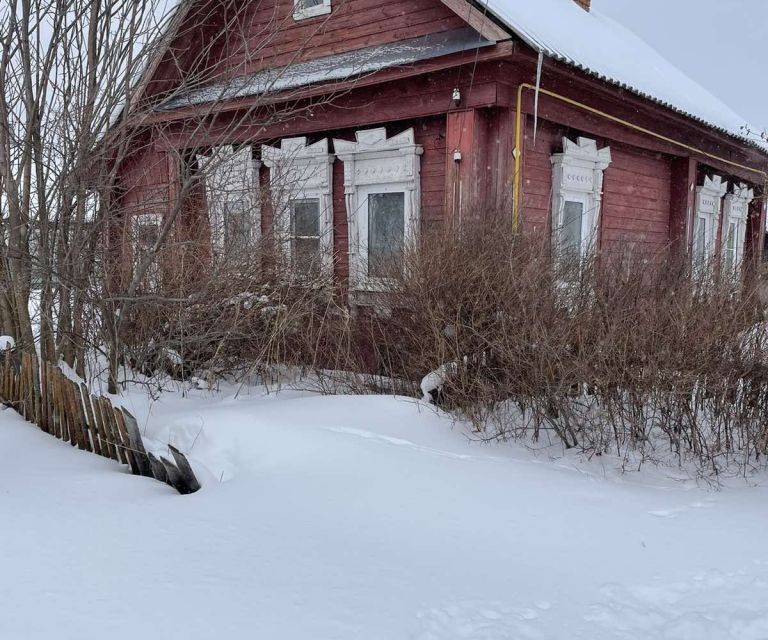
<point>536,200</point>
<point>636,191</point>
<point>150,187</point>
<point>147,183</point>
<point>266,34</point>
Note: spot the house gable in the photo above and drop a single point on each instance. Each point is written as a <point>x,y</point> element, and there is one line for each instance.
<point>215,43</point>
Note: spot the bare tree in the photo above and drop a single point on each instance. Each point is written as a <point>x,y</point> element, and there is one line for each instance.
<point>76,105</point>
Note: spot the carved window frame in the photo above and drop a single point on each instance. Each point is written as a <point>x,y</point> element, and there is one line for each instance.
<point>301,12</point>
<point>577,176</point>
<point>231,177</point>
<point>706,218</point>
<point>736,211</point>
<point>374,163</point>
<point>301,171</point>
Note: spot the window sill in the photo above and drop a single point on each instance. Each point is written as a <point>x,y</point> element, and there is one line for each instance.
<point>312,12</point>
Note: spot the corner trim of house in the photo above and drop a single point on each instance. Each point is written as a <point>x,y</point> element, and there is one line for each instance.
<point>478,19</point>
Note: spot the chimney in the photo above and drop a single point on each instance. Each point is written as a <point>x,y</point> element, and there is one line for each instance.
<point>584,4</point>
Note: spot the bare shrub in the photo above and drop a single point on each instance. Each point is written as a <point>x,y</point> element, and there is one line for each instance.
<point>626,353</point>
<point>622,352</point>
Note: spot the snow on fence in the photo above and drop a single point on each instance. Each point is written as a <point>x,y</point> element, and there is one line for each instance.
<point>68,411</point>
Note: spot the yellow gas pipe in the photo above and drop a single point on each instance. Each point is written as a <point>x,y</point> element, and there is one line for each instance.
<point>603,114</point>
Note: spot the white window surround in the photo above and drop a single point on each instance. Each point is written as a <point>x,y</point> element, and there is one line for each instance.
<point>736,212</point>
<point>707,217</point>
<point>376,164</point>
<point>231,178</point>
<point>577,177</point>
<point>302,12</point>
<point>299,171</point>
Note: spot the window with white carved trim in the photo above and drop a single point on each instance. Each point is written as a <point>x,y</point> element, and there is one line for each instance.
<point>301,182</point>
<point>734,234</point>
<point>577,191</point>
<point>303,9</point>
<point>709,198</point>
<point>382,185</point>
<point>231,178</point>
<point>145,233</point>
<point>385,232</point>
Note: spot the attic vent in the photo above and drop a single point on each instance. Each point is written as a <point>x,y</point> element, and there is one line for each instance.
<point>584,4</point>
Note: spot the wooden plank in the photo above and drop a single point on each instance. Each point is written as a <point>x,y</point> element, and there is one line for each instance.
<point>158,469</point>
<point>88,438</point>
<point>76,425</point>
<point>24,386</point>
<point>54,383</point>
<point>173,474</point>
<point>36,391</point>
<point>109,439</point>
<point>110,425</point>
<point>90,418</point>
<point>61,408</point>
<point>45,424</point>
<point>190,483</point>
<point>53,412</point>
<point>136,443</point>
<point>125,439</point>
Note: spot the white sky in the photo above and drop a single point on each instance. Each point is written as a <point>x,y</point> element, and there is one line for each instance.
<point>721,44</point>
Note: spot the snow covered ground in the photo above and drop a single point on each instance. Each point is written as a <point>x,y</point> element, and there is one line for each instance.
<point>365,518</point>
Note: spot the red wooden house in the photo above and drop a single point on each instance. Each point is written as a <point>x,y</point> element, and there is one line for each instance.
<point>371,122</point>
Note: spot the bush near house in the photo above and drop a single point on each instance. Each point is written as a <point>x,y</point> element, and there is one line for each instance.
<point>619,353</point>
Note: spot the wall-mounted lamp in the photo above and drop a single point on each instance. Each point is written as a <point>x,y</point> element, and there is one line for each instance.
<point>456,97</point>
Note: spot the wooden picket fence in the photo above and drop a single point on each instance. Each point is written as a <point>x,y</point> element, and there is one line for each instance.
<point>42,394</point>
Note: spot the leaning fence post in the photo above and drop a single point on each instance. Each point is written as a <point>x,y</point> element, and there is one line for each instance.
<point>136,443</point>
<point>190,483</point>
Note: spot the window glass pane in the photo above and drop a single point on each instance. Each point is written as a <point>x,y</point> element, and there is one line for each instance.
<point>146,236</point>
<point>570,233</point>
<point>305,236</point>
<point>386,232</point>
<point>306,256</point>
<point>701,238</point>
<point>235,227</point>
<point>305,218</point>
<point>729,255</point>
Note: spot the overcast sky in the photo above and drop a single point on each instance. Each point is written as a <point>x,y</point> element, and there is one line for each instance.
<point>721,44</point>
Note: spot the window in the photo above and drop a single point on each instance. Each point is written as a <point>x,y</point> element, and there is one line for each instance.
<point>237,231</point>
<point>231,177</point>
<point>577,188</point>
<point>708,204</point>
<point>382,184</point>
<point>736,213</point>
<point>303,9</point>
<point>386,233</point>
<point>572,228</point>
<point>730,251</point>
<point>145,235</point>
<point>305,236</point>
<point>301,181</point>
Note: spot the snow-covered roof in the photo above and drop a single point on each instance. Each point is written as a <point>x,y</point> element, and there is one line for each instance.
<point>598,45</point>
<point>589,41</point>
<point>336,68</point>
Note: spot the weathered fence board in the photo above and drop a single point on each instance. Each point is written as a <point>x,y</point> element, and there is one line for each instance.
<point>41,393</point>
